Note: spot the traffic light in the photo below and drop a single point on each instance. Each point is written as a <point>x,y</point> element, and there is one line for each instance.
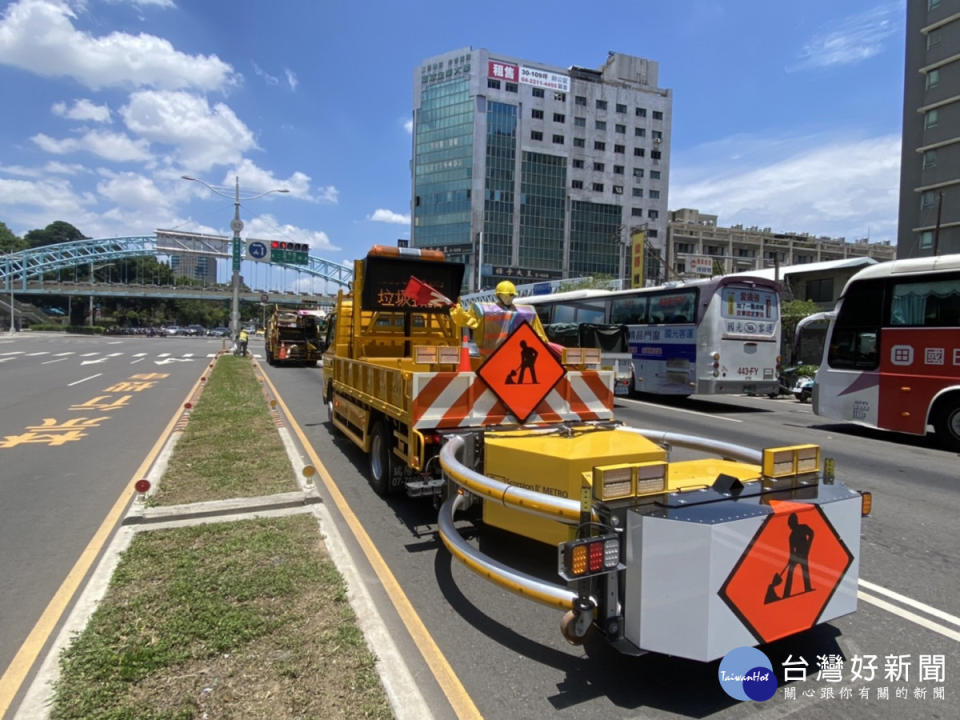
<point>290,253</point>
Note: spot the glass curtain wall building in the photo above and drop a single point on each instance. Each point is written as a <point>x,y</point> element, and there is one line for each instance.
<point>529,172</point>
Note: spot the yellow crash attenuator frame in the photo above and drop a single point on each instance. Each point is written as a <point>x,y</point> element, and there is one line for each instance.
<point>791,460</point>
<point>625,480</point>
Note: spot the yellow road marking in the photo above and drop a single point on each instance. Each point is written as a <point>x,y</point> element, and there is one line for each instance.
<point>459,699</point>
<point>27,654</point>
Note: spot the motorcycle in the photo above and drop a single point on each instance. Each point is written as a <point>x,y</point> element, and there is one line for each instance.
<point>803,388</point>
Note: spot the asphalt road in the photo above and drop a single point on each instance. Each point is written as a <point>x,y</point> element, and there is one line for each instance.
<point>78,415</point>
<point>508,652</point>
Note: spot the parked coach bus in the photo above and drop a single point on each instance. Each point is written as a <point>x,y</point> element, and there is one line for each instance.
<point>892,356</point>
<point>720,335</point>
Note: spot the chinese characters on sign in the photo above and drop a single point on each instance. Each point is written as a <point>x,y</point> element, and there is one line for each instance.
<point>528,76</point>
<point>897,671</point>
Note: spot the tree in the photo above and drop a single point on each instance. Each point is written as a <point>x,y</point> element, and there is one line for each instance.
<point>56,232</point>
<point>792,312</point>
<point>10,242</point>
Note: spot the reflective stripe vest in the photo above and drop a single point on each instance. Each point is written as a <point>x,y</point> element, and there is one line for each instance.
<point>496,323</point>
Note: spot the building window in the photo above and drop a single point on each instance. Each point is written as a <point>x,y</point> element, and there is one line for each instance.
<point>933,4</point>
<point>577,184</point>
<point>638,172</point>
<point>929,159</point>
<point>618,169</point>
<point>601,104</point>
<point>579,142</point>
<point>636,212</point>
<point>933,79</point>
<point>492,83</point>
<point>599,166</point>
<point>619,149</point>
<point>598,187</point>
<point>560,97</point>
<point>653,214</point>
<point>926,239</point>
<point>933,39</point>
<point>538,92</point>
<point>654,174</point>
<point>558,139</point>
<point>600,125</point>
<point>928,199</point>
<point>639,132</point>
<point>652,233</point>
<point>580,100</point>
<point>577,163</point>
<point>621,108</point>
<point>597,145</point>
<point>819,290</point>
<point>618,189</point>
<point>685,248</point>
<point>654,194</point>
<point>657,115</point>
<point>559,118</point>
<point>641,112</point>
<point>657,135</point>
<point>536,114</point>
<point>511,87</point>
<point>621,129</point>
<point>536,135</point>
<point>638,192</point>
<point>655,154</point>
<point>579,122</point>
<point>930,119</point>
<point>639,152</point>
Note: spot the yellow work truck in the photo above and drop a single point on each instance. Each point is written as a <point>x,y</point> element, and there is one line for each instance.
<point>294,335</point>
<point>694,557</point>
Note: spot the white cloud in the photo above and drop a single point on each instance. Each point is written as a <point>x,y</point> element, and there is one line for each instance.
<point>266,227</point>
<point>203,136</point>
<point>267,77</point>
<point>55,196</point>
<point>388,216</point>
<point>853,39</point>
<point>822,186</point>
<point>291,78</point>
<point>82,109</point>
<point>408,126</point>
<point>254,180</point>
<point>39,36</point>
<point>115,147</point>
<point>165,4</point>
<point>131,190</point>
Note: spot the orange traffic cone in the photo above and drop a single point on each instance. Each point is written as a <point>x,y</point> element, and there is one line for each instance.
<point>465,365</point>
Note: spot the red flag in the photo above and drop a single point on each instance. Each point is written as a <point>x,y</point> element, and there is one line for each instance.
<point>423,295</point>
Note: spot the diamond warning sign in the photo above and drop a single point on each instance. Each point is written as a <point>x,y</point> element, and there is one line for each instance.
<point>521,372</point>
<point>788,573</point>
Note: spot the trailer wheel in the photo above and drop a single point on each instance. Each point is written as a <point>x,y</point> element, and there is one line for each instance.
<point>947,424</point>
<point>567,628</point>
<point>381,459</point>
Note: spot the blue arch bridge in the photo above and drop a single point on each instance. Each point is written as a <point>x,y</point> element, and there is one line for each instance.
<point>23,273</point>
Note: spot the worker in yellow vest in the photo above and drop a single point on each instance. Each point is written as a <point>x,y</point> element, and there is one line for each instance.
<point>493,322</point>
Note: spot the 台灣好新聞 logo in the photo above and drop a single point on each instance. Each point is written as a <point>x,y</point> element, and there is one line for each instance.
<point>746,674</point>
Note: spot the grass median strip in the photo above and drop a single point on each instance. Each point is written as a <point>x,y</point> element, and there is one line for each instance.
<point>230,447</point>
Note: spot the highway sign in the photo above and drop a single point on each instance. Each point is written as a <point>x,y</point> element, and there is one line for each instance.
<point>257,250</point>
<point>290,253</point>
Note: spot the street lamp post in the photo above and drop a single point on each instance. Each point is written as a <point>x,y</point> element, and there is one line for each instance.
<point>236,225</point>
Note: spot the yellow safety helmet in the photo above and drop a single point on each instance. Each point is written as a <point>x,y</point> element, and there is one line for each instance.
<point>505,287</point>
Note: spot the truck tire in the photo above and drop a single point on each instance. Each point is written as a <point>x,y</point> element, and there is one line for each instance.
<point>269,356</point>
<point>381,459</point>
<point>947,424</point>
<point>329,403</point>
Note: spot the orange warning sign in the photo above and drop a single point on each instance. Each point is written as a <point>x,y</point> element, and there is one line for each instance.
<point>788,573</point>
<point>521,372</point>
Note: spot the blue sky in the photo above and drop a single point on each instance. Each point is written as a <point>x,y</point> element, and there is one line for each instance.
<point>786,115</point>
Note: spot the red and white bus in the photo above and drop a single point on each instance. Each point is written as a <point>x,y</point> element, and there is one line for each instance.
<point>892,356</point>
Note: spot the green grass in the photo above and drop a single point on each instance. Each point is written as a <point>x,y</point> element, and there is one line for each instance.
<point>230,447</point>
<point>235,620</point>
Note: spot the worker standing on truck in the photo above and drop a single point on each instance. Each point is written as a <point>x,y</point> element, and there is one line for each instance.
<point>493,322</point>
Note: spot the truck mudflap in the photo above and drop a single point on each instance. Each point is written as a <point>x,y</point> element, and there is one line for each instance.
<point>697,572</point>
<point>449,400</point>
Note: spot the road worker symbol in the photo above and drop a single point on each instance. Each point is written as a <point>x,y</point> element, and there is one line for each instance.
<point>521,372</point>
<point>789,571</point>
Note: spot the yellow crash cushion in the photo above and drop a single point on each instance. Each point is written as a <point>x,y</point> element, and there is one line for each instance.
<point>693,474</point>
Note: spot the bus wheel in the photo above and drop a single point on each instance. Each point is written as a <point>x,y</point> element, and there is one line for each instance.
<point>381,459</point>
<point>947,425</point>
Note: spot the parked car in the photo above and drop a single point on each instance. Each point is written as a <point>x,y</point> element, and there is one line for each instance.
<point>195,330</point>
<point>171,330</point>
<point>219,332</point>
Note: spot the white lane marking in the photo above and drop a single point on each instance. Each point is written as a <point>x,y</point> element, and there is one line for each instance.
<point>907,615</point>
<point>114,354</point>
<point>188,355</point>
<point>94,362</point>
<point>163,355</point>
<point>137,360</point>
<point>2,360</point>
<point>89,354</point>
<point>37,354</point>
<point>667,407</point>
<point>77,382</point>
<point>116,342</point>
<point>911,602</point>
<point>14,352</point>
<point>139,355</point>
<point>211,354</point>
<point>63,353</point>
<point>51,362</point>
<point>167,361</point>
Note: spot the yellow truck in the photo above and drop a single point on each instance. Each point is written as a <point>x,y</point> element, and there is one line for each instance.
<point>294,335</point>
<point>692,557</point>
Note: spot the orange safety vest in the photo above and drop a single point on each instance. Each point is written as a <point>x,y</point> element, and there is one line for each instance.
<point>496,324</point>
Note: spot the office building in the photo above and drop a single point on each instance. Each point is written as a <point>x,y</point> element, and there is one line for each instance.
<point>198,267</point>
<point>529,172</point>
<point>697,246</point>
<point>930,161</point>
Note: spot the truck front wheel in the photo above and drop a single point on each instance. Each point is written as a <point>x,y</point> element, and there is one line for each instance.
<point>381,459</point>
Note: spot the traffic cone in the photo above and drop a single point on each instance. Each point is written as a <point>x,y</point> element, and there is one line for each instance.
<point>465,365</point>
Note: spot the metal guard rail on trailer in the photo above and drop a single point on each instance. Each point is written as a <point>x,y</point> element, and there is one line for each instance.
<point>559,509</point>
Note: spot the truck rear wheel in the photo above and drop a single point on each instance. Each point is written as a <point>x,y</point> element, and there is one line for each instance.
<point>381,459</point>
<point>947,425</point>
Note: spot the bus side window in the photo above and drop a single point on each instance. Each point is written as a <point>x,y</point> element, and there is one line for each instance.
<point>854,342</point>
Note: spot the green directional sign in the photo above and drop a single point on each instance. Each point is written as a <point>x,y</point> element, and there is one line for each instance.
<point>289,253</point>
<point>236,253</point>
